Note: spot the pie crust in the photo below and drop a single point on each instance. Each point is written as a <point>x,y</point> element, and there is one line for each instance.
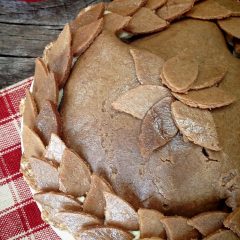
<point>130,147</point>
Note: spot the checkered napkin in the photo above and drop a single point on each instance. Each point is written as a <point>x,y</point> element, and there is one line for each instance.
<point>19,214</point>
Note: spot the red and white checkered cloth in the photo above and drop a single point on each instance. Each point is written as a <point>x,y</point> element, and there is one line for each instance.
<point>19,214</point>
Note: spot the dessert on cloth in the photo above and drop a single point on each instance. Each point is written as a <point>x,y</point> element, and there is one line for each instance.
<point>132,126</point>
<point>20,217</point>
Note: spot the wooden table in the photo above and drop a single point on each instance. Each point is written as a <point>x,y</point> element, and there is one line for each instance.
<point>26,28</point>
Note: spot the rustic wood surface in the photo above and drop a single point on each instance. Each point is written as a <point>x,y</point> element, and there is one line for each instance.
<point>25,28</point>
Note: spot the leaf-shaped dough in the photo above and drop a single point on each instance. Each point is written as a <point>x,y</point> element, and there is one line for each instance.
<point>233,221</point>
<point>208,10</point>
<point>74,174</point>
<point>45,86</point>
<point>196,124</point>
<point>148,66</point>
<point>174,9</point>
<point>157,127</point>
<point>208,222</point>
<point>32,144</point>
<point>44,173</point>
<point>55,149</point>
<point>177,228</point>
<point>210,73</point>
<point>59,56</point>
<point>29,111</point>
<point>125,7</point>
<point>146,21</point>
<point>57,201</point>
<point>150,224</point>
<point>114,22</point>
<point>85,35</point>
<point>87,16</point>
<point>139,100</point>
<point>179,73</point>
<point>155,4</point>
<point>231,5</point>
<point>231,26</point>
<point>120,213</point>
<point>210,98</point>
<point>48,121</point>
<point>77,221</point>
<point>222,235</point>
<point>94,202</point>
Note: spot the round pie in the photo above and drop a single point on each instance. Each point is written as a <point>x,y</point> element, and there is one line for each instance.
<point>133,125</point>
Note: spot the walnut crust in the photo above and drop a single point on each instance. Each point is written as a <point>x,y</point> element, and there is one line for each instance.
<point>120,215</point>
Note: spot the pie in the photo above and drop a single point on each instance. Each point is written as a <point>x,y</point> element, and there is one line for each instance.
<point>133,123</point>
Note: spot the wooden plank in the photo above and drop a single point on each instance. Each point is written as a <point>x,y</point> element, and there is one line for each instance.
<point>51,12</point>
<point>13,70</point>
<point>25,40</point>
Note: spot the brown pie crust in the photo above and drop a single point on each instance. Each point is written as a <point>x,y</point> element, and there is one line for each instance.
<point>104,109</point>
<point>48,122</point>
<point>208,222</point>
<point>87,16</point>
